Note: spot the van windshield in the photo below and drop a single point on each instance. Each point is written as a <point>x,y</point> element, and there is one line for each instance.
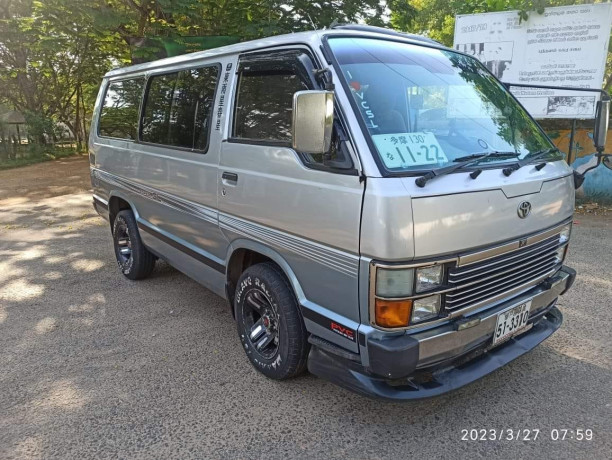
<point>425,107</point>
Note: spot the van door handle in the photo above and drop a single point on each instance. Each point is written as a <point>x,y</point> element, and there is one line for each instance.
<point>230,177</point>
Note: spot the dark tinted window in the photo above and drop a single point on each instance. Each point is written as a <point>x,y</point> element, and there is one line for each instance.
<point>264,105</point>
<point>156,114</point>
<point>119,114</point>
<point>178,108</point>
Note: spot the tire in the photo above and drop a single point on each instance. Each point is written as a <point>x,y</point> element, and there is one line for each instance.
<point>134,259</point>
<point>265,306</point>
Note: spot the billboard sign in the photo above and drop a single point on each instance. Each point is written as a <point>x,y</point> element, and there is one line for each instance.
<point>564,46</point>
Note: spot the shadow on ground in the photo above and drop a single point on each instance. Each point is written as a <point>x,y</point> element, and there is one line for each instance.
<point>96,366</point>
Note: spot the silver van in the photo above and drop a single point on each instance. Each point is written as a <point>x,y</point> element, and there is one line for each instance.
<point>376,208</point>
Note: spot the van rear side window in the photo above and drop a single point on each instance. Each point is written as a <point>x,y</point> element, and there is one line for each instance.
<point>119,114</point>
<point>178,108</point>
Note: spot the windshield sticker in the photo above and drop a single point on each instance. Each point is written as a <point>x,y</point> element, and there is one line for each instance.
<point>403,150</point>
<point>359,93</point>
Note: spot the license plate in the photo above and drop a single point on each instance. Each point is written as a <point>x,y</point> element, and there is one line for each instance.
<point>511,322</point>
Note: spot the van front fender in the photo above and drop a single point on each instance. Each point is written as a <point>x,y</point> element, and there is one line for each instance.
<point>250,245</point>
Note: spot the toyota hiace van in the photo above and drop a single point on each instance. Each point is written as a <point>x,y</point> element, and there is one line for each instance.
<point>375,207</point>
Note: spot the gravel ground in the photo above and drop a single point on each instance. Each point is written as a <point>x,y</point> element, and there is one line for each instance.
<point>95,366</point>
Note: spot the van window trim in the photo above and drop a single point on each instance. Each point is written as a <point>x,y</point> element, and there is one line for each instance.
<point>142,94</point>
<point>145,94</point>
<point>282,144</point>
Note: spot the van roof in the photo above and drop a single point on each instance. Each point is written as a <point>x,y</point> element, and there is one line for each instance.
<point>310,37</point>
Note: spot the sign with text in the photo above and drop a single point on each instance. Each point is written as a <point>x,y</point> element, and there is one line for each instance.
<point>564,46</point>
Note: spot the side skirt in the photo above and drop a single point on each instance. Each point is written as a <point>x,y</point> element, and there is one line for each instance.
<point>205,270</point>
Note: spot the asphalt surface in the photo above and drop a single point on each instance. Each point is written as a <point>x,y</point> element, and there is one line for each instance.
<point>95,366</point>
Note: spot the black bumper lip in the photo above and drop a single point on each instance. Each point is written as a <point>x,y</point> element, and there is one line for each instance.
<point>352,377</point>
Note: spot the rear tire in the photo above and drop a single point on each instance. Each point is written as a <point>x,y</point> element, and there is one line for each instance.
<point>270,323</point>
<point>134,259</point>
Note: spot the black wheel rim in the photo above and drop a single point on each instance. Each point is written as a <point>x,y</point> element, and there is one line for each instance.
<point>123,242</point>
<point>261,321</point>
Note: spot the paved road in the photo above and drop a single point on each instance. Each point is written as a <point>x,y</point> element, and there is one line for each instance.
<point>95,366</point>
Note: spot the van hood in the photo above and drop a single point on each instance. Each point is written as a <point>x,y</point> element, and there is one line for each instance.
<point>454,213</point>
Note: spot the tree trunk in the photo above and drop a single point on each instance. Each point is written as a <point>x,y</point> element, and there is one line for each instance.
<point>77,121</point>
<point>85,129</point>
<point>4,151</point>
<point>13,153</point>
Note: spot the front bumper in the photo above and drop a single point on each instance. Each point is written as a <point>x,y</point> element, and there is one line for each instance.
<point>435,361</point>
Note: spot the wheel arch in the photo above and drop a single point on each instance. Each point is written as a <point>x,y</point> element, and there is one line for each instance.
<point>243,253</point>
<point>118,201</point>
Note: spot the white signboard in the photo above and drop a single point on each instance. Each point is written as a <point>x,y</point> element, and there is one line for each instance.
<point>564,46</point>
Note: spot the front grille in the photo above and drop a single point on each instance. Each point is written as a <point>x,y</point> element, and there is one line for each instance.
<point>493,277</point>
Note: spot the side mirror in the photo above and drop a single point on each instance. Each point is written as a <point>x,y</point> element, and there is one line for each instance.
<point>313,120</point>
<point>600,132</point>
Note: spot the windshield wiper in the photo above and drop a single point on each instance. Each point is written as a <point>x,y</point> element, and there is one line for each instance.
<point>483,155</point>
<point>462,162</point>
<point>531,158</point>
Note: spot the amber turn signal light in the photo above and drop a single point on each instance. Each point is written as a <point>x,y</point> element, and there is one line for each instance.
<point>393,313</point>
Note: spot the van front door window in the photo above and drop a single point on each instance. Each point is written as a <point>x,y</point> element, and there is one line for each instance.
<point>264,104</point>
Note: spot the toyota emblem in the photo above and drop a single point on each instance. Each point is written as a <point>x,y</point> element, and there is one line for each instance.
<point>524,208</point>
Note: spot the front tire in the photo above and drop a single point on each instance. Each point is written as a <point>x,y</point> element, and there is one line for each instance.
<point>134,259</point>
<point>269,322</point>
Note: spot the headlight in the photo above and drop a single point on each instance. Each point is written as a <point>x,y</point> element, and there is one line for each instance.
<point>394,282</point>
<point>564,236</point>
<point>425,308</point>
<point>560,257</point>
<point>428,278</point>
<point>393,301</point>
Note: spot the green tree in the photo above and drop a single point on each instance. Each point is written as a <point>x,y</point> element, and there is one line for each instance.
<point>244,18</point>
<point>53,53</point>
<point>51,61</point>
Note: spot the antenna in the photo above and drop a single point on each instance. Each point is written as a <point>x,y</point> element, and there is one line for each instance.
<point>314,27</point>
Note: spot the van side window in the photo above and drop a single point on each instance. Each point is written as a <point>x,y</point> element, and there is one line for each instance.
<point>156,113</point>
<point>264,104</point>
<point>119,114</point>
<point>178,108</point>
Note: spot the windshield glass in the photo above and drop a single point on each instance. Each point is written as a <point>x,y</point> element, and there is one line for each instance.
<point>425,107</point>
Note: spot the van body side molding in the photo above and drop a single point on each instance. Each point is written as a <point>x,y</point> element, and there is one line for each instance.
<point>181,247</point>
